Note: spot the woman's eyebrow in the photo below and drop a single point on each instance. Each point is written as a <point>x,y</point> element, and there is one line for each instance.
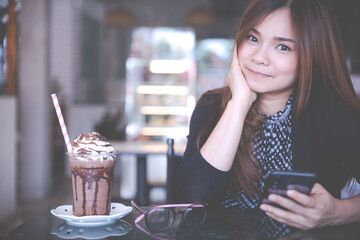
<point>255,31</point>
<point>282,39</point>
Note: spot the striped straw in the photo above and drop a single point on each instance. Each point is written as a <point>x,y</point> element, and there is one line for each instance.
<point>61,121</point>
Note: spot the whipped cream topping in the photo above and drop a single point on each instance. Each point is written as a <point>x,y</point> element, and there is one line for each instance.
<point>92,143</point>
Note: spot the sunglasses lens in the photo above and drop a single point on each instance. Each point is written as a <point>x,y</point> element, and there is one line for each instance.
<point>159,219</point>
<point>194,215</point>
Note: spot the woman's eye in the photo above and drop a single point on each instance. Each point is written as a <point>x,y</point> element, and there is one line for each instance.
<point>283,47</point>
<point>252,38</point>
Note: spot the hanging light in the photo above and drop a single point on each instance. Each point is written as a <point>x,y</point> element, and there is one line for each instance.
<point>200,17</point>
<point>121,17</point>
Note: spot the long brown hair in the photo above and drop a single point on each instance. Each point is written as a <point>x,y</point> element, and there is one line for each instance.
<point>321,65</point>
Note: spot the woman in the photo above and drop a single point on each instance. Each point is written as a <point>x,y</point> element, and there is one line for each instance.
<point>289,104</point>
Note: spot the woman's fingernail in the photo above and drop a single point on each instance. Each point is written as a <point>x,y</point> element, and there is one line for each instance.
<point>263,207</point>
<point>272,197</point>
<point>290,192</point>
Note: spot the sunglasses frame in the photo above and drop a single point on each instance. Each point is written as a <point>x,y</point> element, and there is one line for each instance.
<point>169,207</point>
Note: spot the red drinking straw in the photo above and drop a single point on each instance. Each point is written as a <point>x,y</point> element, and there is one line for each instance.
<point>62,122</point>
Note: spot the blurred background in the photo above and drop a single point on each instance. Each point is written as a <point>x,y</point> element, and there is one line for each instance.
<point>130,69</point>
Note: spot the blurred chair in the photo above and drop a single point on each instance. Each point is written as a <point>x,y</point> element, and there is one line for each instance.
<point>173,161</point>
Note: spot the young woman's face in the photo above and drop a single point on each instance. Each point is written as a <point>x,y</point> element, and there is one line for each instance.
<point>268,56</point>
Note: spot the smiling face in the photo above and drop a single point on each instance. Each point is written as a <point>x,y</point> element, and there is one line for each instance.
<point>268,56</point>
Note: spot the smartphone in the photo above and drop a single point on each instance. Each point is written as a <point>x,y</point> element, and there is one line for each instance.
<point>279,182</point>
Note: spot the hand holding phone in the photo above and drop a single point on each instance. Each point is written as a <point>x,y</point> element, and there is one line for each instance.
<point>278,182</point>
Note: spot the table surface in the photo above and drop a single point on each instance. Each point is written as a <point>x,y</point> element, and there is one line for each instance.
<point>232,224</point>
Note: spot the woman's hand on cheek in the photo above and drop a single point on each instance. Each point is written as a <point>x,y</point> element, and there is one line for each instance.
<point>239,87</point>
<point>306,212</point>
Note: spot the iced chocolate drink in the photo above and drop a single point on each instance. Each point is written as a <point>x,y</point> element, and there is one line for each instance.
<point>92,168</point>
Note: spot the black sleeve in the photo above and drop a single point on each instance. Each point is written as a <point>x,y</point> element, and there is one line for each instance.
<point>344,129</point>
<point>198,181</point>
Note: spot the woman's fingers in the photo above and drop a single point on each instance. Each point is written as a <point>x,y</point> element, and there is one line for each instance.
<point>234,67</point>
<point>293,217</point>
<point>287,203</point>
<point>317,209</point>
<point>286,221</point>
<point>301,198</point>
<point>239,87</point>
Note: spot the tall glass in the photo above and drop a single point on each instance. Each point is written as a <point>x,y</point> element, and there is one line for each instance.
<point>92,178</point>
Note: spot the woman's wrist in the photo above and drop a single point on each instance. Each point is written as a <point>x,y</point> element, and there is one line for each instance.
<point>347,210</point>
<point>341,211</point>
<point>241,104</point>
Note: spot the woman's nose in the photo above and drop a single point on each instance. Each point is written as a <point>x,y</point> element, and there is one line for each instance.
<point>260,56</point>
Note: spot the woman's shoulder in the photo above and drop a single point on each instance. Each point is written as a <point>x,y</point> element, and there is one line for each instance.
<point>337,104</point>
<point>212,97</point>
<point>334,109</point>
<point>209,104</point>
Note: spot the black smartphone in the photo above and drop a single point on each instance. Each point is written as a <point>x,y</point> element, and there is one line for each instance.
<point>279,182</point>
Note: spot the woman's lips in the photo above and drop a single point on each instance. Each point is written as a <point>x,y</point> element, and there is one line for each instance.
<point>258,74</point>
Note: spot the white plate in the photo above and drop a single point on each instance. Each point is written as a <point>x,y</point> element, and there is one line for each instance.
<point>119,228</point>
<point>117,211</point>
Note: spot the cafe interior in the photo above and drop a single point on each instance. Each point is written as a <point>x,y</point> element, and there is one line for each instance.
<point>132,70</point>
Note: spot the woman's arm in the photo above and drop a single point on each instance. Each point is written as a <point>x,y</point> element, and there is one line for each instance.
<point>220,148</point>
<point>350,210</point>
<point>203,173</point>
<point>197,180</point>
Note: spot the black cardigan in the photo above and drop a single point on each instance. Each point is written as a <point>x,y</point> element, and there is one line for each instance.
<point>325,141</point>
